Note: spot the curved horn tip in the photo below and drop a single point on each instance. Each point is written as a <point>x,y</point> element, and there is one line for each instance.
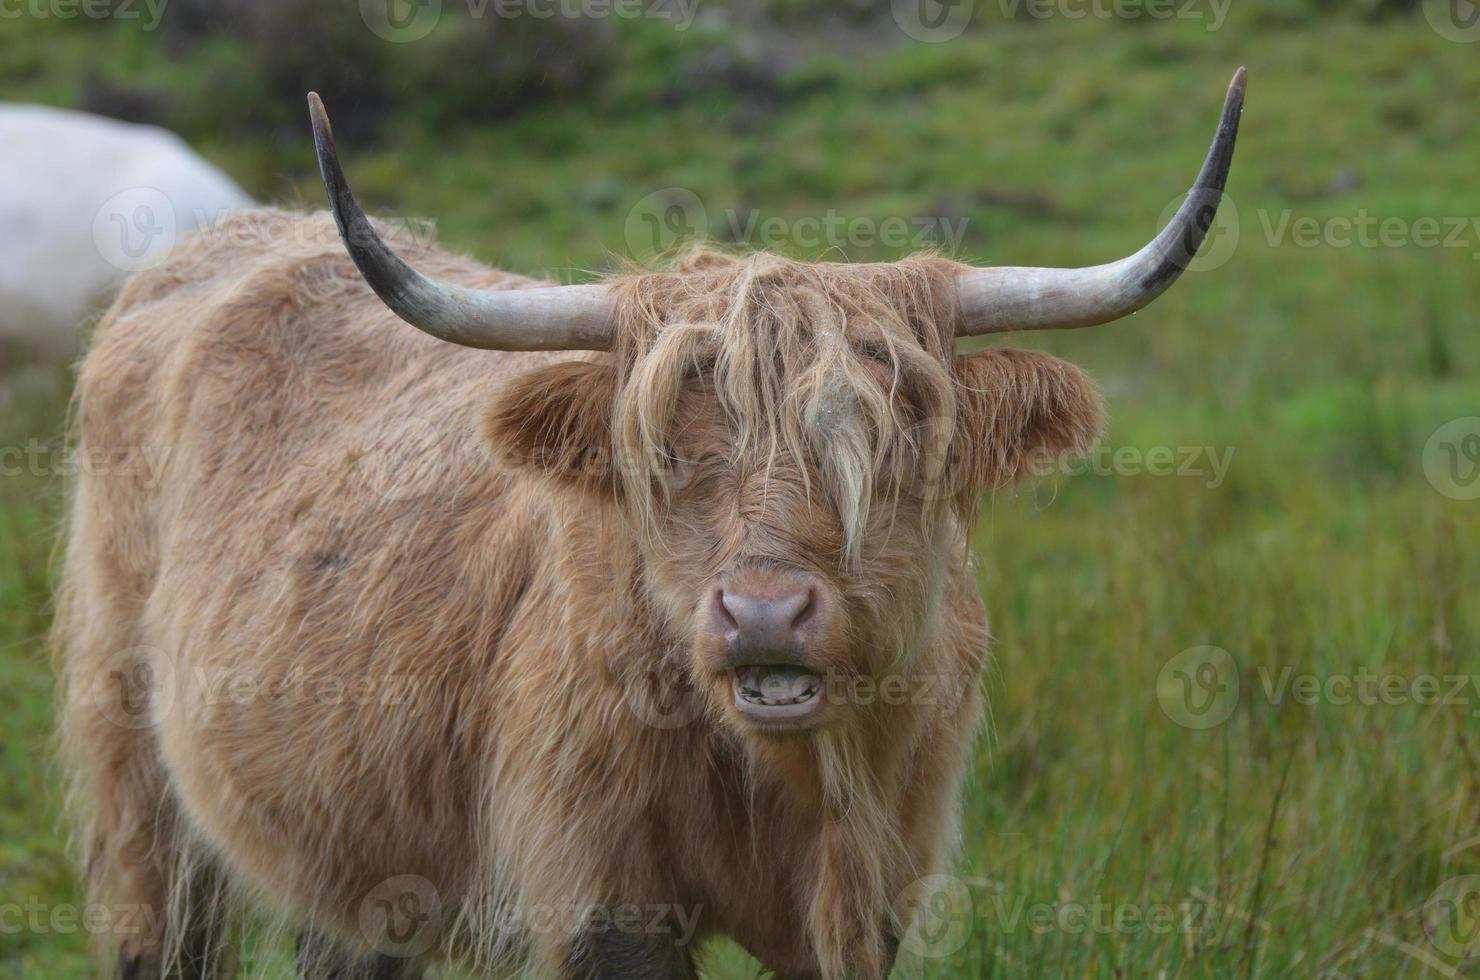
<point>342,205</point>
<point>1003,298</point>
<point>1238,87</point>
<point>551,318</point>
<point>319,117</point>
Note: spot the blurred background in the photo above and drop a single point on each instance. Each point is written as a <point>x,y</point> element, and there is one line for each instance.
<point>1237,661</point>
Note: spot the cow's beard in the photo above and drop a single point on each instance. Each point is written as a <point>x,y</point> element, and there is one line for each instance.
<point>831,778</point>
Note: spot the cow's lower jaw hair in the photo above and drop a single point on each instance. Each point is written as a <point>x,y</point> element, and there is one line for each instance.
<point>779,696</point>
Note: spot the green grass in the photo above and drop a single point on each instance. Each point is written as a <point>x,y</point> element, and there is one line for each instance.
<point>1314,832</point>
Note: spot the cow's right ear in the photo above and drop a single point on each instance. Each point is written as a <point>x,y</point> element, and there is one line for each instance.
<point>557,419</point>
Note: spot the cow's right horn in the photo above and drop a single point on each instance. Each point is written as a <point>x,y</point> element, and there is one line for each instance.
<point>1000,298</point>
<point>541,318</point>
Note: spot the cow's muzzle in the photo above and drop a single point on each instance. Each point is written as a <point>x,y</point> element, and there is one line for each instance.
<point>767,623</point>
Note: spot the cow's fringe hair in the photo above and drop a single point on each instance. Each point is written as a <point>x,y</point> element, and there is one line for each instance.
<point>788,346</point>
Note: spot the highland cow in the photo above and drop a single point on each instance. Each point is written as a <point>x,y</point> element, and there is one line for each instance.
<point>651,620</point>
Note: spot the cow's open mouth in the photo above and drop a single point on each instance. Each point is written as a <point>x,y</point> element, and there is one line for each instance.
<point>776,693</point>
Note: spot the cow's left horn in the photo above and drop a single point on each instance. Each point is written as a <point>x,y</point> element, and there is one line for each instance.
<point>542,318</point>
<point>1003,298</point>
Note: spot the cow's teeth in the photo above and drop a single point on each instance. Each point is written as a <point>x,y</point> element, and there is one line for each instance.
<point>776,686</point>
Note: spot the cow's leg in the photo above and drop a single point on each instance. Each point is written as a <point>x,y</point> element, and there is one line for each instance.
<point>164,906</point>
<point>164,911</point>
<point>199,957</point>
<point>321,958</point>
<point>615,955</point>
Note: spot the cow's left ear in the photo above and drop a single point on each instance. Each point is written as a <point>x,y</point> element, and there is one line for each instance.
<point>1018,412</point>
<point>557,419</point>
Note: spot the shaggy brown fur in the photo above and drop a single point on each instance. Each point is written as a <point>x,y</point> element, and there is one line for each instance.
<point>364,648</point>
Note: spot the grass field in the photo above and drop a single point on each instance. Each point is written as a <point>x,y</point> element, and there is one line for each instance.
<point>1278,481</point>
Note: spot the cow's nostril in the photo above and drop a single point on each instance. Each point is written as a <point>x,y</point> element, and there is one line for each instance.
<point>807,611</point>
<point>724,616</point>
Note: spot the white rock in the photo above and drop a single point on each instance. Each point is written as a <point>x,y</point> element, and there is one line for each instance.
<point>84,203</point>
